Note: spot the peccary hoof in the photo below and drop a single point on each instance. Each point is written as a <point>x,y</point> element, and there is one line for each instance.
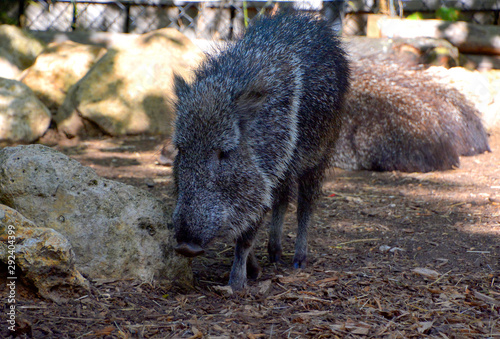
<point>189,249</point>
<point>299,261</point>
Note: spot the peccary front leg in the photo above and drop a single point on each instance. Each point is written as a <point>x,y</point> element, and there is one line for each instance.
<point>309,188</point>
<point>244,261</point>
<point>274,248</point>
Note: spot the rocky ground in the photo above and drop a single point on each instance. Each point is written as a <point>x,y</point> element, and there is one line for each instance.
<point>392,255</point>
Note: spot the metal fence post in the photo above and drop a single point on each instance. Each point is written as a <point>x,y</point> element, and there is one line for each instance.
<point>20,13</point>
<point>75,14</point>
<point>127,18</point>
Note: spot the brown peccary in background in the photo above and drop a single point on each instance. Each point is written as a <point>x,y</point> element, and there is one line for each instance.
<point>397,119</point>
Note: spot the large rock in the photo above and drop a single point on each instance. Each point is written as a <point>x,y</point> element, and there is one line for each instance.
<point>480,88</point>
<point>116,230</point>
<point>8,69</point>
<point>22,116</point>
<point>472,84</point>
<point>492,115</point>
<point>58,68</point>
<point>41,255</point>
<point>18,51</point>
<point>130,89</point>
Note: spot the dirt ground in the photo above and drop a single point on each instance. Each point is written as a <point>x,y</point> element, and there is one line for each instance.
<point>391,255</point>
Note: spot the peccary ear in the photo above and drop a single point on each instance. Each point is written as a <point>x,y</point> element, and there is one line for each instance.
<point>180,85</point>
<point>250,102</point>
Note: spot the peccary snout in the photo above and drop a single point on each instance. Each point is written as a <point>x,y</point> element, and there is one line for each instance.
<point>187,245</point>
<point>195,224</point>
<point>189,249</point>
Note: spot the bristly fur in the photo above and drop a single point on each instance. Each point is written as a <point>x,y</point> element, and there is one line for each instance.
<point>260,116</point>
<point>402,120</point>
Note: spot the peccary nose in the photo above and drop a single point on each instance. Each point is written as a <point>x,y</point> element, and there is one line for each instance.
<point>189,249</point>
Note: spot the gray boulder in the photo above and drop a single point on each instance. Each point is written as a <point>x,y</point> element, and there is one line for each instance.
<point>23,118</point>
<point>116,230</point>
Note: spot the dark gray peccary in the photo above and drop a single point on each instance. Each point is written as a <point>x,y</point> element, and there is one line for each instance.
<point>260,117</point>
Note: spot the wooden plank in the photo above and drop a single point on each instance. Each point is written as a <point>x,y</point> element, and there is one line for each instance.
<point>469,38</point>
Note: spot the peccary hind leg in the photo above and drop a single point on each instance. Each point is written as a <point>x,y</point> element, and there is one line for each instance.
<point>253,268</point>
<point>274,248</point>
<point>309,188</point>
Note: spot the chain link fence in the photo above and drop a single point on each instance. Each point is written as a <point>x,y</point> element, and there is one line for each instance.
<point>200,19</point>
<point>214,19</point>
<point>485,12</point>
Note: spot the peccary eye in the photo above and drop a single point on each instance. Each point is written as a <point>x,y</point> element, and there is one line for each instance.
<point>221,155</point>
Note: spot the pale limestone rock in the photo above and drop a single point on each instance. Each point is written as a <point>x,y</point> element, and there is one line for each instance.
<point>23,118</point>
<point>130,89</point>
<point>18,50</point>
<point>43,256</point>
<point>116,230</point>
<point>58,68</point>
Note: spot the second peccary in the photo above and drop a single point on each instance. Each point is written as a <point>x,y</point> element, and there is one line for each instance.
<point>259,118</point>
<point>399,119</point>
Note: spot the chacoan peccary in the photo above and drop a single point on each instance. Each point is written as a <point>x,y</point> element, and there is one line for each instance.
<point>404,120</point>
<point>259,118</point>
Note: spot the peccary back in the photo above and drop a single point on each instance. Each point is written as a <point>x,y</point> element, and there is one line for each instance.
<point>260,117</point>
<point>404,120</point>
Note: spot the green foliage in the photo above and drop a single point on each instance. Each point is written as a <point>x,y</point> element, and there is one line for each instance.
<point>6,16</point>
<point>415,16</point>
<point>442,13</point>
<point>245,13</point>
<point>447,13</point>
<point>6,19</point>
